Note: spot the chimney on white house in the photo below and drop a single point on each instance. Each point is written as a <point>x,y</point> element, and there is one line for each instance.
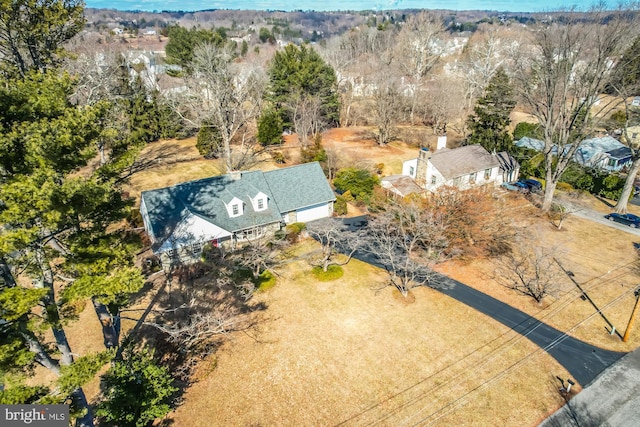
<point>442,142</point>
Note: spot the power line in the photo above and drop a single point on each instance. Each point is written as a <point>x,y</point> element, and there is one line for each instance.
<point>492,354</point>
<point>512,366</point>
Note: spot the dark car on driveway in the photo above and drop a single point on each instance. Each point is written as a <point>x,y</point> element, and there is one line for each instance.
<point>628,219</point>
<point>532,184</point>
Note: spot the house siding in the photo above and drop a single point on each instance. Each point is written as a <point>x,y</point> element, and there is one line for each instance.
<point>410,168</point>
<point>146,221</point>
<point>462,167</point>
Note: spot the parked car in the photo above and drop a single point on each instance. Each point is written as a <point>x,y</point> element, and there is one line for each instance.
<point>532,184</point>
<point>631,220</point>
<point>516,186</point>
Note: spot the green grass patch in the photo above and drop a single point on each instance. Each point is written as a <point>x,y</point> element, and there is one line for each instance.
<point>333,272</point>
<point>266,281</point>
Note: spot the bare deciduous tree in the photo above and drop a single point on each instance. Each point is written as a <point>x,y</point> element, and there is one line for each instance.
<point>407,241</point>
<point>259,254</point>
<point>201,325</point>
<point>203,303</point>
<point>529,268</point>
<point>418,50</point>
<point>483,58</point>
<point>340,56</point>
<point>625,83</point>
<point>561,211</point>
<point>560,75</point>
<point>223,95</point>
<point>335,238</point>
<point>437,107</point>
<point>306,113</point>
<point>388,105</point>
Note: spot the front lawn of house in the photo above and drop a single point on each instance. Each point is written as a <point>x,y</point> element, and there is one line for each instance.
<point>343,351</point>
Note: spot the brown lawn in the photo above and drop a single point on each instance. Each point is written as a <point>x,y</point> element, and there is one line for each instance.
<point>343,353</point>
<point>171,162</point>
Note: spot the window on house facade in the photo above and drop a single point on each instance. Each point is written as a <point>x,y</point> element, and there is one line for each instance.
<point>196,248</point>
<point>260,204</point>
<point>171,253</point>
<point>612,162</point>
<point>472,177</point>
<point>411,170</point>
<point>487,174</point>
<point>434,179</point>
<point>235,209</point>
<point>456,180</point>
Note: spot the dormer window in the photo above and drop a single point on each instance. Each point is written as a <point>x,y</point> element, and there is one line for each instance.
<point>235,207</point>
<point>259,201</point>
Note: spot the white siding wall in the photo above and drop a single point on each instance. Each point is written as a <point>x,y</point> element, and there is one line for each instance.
<point>407,166</point>
<point>431,172</point>
<point>191,230</point>
<point>145,220</point>
<point>463,182</point>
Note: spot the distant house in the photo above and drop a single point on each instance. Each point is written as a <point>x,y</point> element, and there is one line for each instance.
<point>463,167</point>
<point>233,208</point>
<point>636,101</point>
<point>605,153</point>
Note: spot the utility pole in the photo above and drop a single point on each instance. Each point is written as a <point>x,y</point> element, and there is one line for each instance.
<point>633,316</point>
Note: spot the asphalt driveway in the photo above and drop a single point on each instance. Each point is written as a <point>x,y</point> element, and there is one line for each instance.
<point>584,361</point>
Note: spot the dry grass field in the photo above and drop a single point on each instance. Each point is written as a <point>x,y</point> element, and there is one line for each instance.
<point>345,353</point>
<point>342,353</point>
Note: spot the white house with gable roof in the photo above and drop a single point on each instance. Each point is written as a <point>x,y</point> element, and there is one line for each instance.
<point>464,167</point>
<point>233,208</point>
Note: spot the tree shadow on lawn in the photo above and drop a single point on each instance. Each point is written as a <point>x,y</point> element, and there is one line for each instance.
<point>189,319</point>
<point>164,155</point>
<point>604,201</point>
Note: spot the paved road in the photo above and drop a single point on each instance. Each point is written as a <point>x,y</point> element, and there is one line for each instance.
<point>595,216</point>
<point>611,400</point>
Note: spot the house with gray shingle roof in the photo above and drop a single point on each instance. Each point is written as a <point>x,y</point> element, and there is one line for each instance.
<point>464,167</point>
<point>606,153</point>
<point>229,209</point>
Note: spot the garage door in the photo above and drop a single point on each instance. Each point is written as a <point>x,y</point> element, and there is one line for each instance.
<point>313,212</point>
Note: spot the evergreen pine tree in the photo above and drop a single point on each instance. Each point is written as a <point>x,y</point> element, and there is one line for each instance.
<point>301,72</point>
<point>488,125</point>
